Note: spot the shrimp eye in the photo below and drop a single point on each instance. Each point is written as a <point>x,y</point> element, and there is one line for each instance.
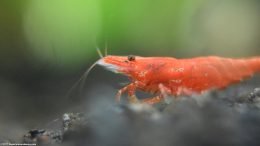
<point>131,57</point>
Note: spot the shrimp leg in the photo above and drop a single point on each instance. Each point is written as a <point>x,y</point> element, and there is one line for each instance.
<point>164,92</point>
<point>153,100</point>
<point>123,90</point>
<point>131,93</point>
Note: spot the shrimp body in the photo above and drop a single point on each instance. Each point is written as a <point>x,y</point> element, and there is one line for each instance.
<point>171,76</point>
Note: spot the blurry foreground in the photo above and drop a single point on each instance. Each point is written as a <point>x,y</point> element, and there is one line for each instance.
<point>229,117</point>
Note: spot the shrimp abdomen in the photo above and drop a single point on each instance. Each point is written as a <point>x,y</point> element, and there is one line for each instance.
<point>215,72</point>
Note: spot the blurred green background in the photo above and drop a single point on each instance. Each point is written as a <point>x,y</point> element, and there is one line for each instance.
<point>65,33</point>
<point>46,45</point>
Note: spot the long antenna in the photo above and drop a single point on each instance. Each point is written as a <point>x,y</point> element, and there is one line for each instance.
<point>82,79</point>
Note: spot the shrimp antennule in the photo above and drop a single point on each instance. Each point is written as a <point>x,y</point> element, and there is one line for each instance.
<point>106,49</point>
<point>99,52</point>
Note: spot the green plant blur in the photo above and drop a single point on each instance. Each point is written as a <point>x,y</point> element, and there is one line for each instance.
<point>67,32</point>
